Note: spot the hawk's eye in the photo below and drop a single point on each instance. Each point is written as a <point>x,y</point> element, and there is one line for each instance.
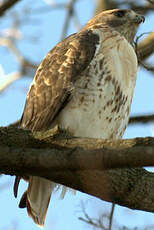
<point>119,13</point>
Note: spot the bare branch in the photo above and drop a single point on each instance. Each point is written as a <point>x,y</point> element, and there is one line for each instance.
<point>10,79</point>
<point>80,163</point>
<point>141,119</point>
<point>24,64</point>
<point>111,4</point>
<point>105,5</point>
<point>85,153</point>
<point>111,217</point>
<point>70,12</point>
<point>7,4</point>
<point>146,66</point>
<point>141,9</point>
<point>146,46</point>
<point>98,223</point>
<point>76,21</point>
<point>9,45</point>
<point>13,49</point>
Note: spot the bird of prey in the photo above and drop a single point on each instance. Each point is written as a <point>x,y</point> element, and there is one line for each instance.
<point>85,86</point>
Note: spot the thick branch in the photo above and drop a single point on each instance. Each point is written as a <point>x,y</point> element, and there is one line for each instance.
<point>67,153</point>
<point>80,163</point>
<point>144,54</point>
<point>77,154</point>
<point>146,47</point>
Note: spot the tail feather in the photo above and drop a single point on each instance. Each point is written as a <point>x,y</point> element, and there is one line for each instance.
<point>38,197</point>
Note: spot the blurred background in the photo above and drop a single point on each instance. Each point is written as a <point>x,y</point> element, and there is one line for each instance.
<point>28,30</point>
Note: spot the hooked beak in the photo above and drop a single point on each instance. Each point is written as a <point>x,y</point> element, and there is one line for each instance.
<point>139,19</point>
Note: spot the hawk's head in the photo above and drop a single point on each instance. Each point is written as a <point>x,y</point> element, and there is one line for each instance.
<point>124,21</point>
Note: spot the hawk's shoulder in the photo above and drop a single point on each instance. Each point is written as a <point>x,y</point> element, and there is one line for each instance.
<point>54,79</point>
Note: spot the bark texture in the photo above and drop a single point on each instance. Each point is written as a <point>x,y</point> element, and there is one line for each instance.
<point>83,164</point>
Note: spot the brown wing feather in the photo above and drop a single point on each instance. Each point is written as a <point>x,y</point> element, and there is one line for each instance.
<point>54,79</point>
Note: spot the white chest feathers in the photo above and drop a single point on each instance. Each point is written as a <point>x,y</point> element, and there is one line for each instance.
<point>102,97</point>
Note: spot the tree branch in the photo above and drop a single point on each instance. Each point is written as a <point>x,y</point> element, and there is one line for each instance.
<point>97,223</point>
<point>7,5</point>
<point>25,66</point>
<point>79,163</point>
<point>61,152</point>
<point>112,4</point>
<point>141,119</point>
<point>9,80</point>
<point>70,12</point>
<point>143,54</point>
<point>146,46</point>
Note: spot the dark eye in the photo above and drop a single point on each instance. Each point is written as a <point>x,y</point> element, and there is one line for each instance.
<point>119,13</point>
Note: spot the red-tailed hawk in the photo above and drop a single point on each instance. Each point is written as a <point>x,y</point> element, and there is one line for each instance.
<point>85,85</point>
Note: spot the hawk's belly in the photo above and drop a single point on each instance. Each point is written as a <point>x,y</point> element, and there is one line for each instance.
<point>102,97</point>
<point>98,109</point>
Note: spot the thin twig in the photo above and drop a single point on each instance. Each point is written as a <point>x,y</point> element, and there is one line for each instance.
<point>70,12</point>
<point>98,223</point>
<point>76,22</point>
<point>111,216</point>
<point>141,119</point>
<point>147,66</point>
